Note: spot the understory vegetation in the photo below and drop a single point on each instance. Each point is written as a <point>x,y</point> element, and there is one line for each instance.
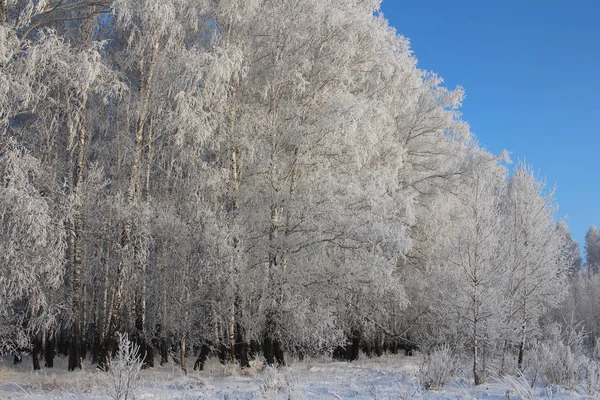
<point>268,179</point>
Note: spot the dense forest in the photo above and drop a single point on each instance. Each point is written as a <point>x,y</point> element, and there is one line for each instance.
<point>272,177</point>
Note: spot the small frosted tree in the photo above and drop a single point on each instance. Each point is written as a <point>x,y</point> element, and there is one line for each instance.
<point>122,375</point>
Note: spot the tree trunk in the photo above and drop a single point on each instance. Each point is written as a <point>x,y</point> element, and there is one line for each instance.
<point>105,317</point>
<point>74,353</point>
<point>182,355</point>
<point>164,354</point>
<point>50,351</point>
<point>77,243</point>
<point>268,351</point>
<point>35,353</point>
<point>378,345</point>
<point>231,334</point>
<point>3,12</point>
<point>524,326</point>
<point>522,349</point>
<point>94,331</point>
<point>96,346</point>
<point>140,337</point>
<point>185,330</point>
<point>254,349</point>
<point>503,360</point>
<point>164,351</point>
<point>107,350</point>
<point>161,328</point>
<point>84,306</point>
<point>241,346</point>
<point>278,351</point>
<point>271,343</point>
<point>272,349</point>
<point>476,376</point>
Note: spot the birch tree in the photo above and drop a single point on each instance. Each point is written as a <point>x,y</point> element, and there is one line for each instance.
<point>536,267</point>
<point>468,298</point>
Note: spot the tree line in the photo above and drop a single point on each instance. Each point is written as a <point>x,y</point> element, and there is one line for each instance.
<point>257,176</point>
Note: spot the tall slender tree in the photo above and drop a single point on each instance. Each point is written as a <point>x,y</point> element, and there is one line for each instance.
<point>536,268</point>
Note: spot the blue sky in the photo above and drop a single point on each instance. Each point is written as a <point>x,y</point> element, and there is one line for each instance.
<point>531,71</point>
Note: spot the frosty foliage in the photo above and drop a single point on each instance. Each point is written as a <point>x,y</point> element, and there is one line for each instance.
<point>32,243</point>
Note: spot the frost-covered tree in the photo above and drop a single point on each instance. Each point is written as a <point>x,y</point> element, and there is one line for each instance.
<point>465,275</point>
<point>571,250</point>
<point>592,250</point>
<point>535,264</point>
<point>475,260</point>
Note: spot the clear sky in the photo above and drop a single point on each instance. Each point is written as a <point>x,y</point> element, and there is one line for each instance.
<point>531,71</point>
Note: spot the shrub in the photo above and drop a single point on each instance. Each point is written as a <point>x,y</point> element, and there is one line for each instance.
<point>559,360</point>
<point>591,383</point>
<point>275,384</point>
<point>438,368</point>
<point>518,386</point>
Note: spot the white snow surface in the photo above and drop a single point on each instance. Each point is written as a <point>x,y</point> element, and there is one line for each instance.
<point>387,377</point>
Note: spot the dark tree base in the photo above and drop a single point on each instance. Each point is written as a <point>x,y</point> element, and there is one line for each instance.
<point>96,349</point>
<point>273,352</point>
<point>146,351</point>
<point>107,351</point>
<point>50,353</point>
<point>37,346</point>
<point>74,359</point>
<point>202,357</point>
<point>241,354</point>
<point>164,351</point>
<point>224,354</point>
<point>351,351</point>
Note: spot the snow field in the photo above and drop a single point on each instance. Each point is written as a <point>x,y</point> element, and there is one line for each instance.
<point>387,377</point>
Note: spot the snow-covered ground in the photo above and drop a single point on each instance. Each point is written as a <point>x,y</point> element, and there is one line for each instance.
<point>388,377</point>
